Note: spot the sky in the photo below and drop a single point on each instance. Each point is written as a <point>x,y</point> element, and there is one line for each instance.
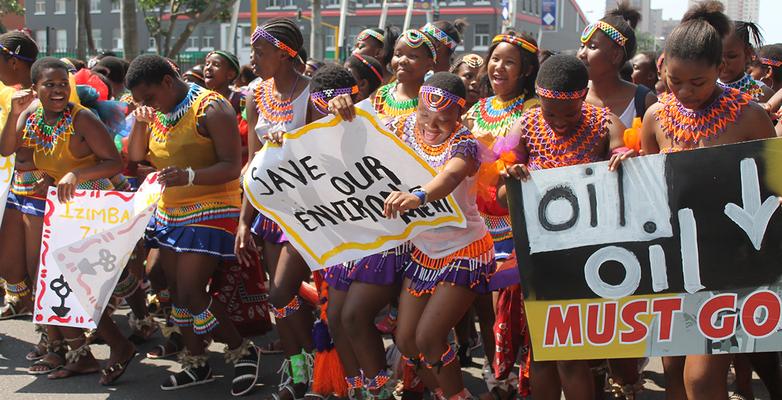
<point>769,11</point>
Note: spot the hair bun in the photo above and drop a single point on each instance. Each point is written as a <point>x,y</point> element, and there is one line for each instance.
<point>712,12</point>
<point>625,11</point>
<point>460,24</point>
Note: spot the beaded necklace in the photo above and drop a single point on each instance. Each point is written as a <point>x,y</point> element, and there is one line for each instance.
<point>269,108</point>
<point>547,149</point>
<point>163,123</point>
<point>496,116</point>
<point>44,137</point>
<point>386,104</point>
<point>684,126</point>
<point>746,85</point>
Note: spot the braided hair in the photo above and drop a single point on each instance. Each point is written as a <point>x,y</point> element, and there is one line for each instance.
<point>286,31</point>
<point>19,44</point>
<point>365,72</point>
<point>699,36</point>
<point>624,19</point>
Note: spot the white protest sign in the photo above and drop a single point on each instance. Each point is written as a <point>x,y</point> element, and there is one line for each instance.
<point>85,246</point>
<point>6,179</point>
<point>326,185</point>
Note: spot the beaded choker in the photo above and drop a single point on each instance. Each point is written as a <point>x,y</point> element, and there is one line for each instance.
<point>689,127</point>
<point>414,39</point>
<point>43,137</point>
<point>516,41</point>
<point>496,116</point>
<point>386,104</point>
<point>370,33</point>
<point>440,35</point>
<point>436,99</point>
<point>770,62</point>
<point>320,99</point>
<point>370,66</point>
<point>558,95</point>
<point>261,33</point>
<point>269,108</point>
<point>606,28</point>
<point>746,85</point>
<point>547,149</point>
<point>164,122</point>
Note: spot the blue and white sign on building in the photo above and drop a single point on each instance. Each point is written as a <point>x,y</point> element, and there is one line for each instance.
<point>548,15</point>
<point>506,12</point>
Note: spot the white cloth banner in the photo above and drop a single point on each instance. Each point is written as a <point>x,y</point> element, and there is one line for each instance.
<point>6,180</point>
<point>326,184</point>
<point>85,246</point>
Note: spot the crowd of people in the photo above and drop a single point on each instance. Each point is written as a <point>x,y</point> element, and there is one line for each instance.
<point>210,267</point>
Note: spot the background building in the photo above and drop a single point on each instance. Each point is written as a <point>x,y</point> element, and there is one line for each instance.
<point>740,10</point>
<point>53,24</point>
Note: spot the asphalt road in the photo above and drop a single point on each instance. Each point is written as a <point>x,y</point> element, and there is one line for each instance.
<point>143,377</point>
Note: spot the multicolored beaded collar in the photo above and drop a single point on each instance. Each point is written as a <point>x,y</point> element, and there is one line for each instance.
<point>747,85</point>
<point>367,33</point>
<point>516,41</point>
<point>387,105</point>
<point>371,68</point>
<point>689,127</point>
<point>770,62</point>
<point>269,108</point>
<point>559,95</point>
<point>496,116</point>
<point>261,33</point>
<point>321,99</point>
<point>440,35</point>
<point>415,39</point>
<point>43,137</point>
<point>164,122</point>
<point>547,149</point>
<point>606,28</point>
<point>436,99</point>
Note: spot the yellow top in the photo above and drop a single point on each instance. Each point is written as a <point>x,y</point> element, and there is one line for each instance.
<point>51,145</point>
<point>6,92</point>
<point>182,146</point>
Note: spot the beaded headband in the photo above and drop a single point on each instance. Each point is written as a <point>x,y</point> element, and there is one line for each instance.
<point>608,29</point>
<point>558,95</point>
<point>471,60</point>
<point>15,53</point>
<point>371,68</point>
<point>370,33</point>
<point>440,35</point>
<point>770,62</point>
<point>516,41</point>
<point>320,99</point>
<point>261,33</point>
<point>437,99</point>
<point>415,39</point>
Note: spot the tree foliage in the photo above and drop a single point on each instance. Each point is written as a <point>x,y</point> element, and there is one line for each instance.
<point>8,7</point>
<point>171,22</point>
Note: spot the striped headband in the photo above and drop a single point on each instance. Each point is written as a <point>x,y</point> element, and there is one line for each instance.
<point>366,33</point>
<point>436,99</point>
<point>415,39</point>
<point>15,53</point>
<point>770,62</point>
<point>560,95</point>
<point>608,29</point>
<point>371,68</point>
<point>440,35</point>
<point>516,41</point>
<point>320,99</point>
<point>261,33</point>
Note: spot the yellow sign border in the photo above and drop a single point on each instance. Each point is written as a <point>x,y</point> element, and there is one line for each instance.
<point>352,245</point>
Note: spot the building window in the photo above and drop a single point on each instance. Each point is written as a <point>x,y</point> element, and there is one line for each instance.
<point>97,38</point>
<point>207,43</point>
<point>116,39</point>
<point>330,41</point>
<point>40,40</point>
<point>481,37</point>
<point>40,7</point>
<point>331,3</point>
<point>59,7</point>
<point>289,3</point>
<point>115,5</point>
<point>275,3</point>
<point>95,6</point>
<point>62,40</point>
<point>152,45</point>
<point>192,43</point>
<point>374,3</point>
